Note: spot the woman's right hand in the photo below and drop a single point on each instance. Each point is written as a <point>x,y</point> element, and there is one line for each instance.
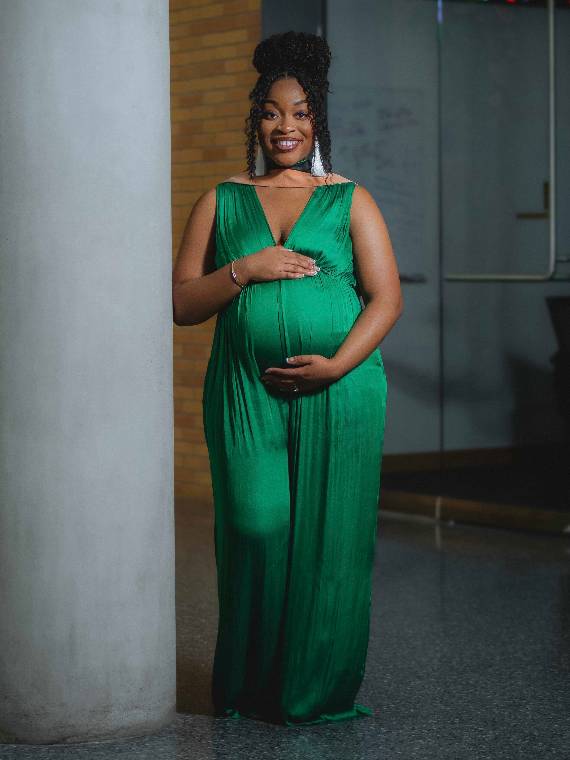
<point>274,263</point>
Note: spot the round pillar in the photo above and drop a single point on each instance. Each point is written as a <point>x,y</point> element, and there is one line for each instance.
<point>87,616</point>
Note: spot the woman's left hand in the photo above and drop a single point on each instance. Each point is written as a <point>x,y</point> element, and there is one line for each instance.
<point>307,372</point>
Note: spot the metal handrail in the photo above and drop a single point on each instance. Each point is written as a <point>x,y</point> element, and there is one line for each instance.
<point>412,278</point>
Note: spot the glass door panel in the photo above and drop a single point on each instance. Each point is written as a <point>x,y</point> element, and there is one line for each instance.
<point>504,430</point>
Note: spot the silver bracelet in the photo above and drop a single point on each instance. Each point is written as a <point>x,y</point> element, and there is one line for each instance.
<point>234,277</point>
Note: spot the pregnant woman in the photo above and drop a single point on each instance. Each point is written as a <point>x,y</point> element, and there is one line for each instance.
<point>294,399</point>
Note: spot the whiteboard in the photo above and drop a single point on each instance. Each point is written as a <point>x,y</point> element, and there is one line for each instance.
<point>378,140</point>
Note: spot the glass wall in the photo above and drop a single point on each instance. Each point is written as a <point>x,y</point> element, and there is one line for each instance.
<point>453,115</point>
<point>503,185</point>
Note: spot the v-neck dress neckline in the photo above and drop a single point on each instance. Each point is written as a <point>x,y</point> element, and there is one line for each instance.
<point>298,220</point>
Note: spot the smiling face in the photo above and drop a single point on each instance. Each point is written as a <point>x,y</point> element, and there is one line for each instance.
<point>285,130</point>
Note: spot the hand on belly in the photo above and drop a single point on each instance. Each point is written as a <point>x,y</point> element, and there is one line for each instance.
<point>274,320</point>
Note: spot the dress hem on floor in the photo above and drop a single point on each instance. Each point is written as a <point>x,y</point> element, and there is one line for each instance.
<point>358,711</point>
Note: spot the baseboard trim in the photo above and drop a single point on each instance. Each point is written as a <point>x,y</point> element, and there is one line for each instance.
<point>446,509</point>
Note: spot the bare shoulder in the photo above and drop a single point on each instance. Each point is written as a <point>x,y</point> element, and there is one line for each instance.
<point>339,178</point>
<point>205,205</point>
<point>363,200</point>
<point>203,212</point>
<point>242,177</point>
<point>365,214</point>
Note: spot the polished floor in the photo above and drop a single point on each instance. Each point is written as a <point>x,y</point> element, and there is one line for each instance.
<point>469,656</point>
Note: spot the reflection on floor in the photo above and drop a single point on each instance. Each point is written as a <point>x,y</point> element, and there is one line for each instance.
<point>469,656</point>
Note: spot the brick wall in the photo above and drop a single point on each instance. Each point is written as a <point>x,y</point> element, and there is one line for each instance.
<point>211,46</point>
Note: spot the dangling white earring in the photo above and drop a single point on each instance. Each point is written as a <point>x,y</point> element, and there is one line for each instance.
<point>317,167</point>
<point>260,162</point>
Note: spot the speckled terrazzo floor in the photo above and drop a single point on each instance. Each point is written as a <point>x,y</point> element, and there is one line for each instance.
<point>469,656</point>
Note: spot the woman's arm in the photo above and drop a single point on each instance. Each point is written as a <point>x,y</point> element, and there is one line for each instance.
<point>379,281</point>
<point>199,290</point>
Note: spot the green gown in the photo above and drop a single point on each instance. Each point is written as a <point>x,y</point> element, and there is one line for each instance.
<point>295,478</point>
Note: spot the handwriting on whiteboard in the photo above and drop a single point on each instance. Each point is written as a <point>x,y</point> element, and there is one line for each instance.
<point>378,140</point>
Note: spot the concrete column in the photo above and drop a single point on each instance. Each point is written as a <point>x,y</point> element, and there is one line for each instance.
<point>87,624</point>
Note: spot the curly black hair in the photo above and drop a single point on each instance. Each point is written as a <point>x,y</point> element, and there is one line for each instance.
<point>306,57</point>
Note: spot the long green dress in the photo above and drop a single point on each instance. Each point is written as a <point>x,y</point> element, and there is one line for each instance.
<point>296,477</point>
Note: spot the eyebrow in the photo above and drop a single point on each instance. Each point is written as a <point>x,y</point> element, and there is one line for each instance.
<point>296,103</point>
